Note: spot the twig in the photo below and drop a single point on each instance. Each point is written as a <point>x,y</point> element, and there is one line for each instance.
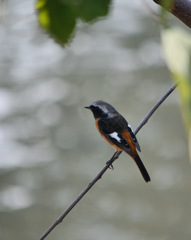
<point>150,113</point>
<point>59,219</point>
<point>114,157</point>
<point>179,8</point>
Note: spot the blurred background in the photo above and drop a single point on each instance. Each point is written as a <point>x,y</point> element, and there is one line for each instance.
<point>49,146</point>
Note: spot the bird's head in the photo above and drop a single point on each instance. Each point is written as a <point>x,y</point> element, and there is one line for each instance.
<point>101,109</point>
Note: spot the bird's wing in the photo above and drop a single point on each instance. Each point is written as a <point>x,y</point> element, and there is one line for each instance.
<point>133,138</point>
<point>113,128</point>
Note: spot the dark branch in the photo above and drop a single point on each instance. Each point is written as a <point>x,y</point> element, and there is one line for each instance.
<point>114,157</point>
<point>179,8</point>
<point>160,101</point>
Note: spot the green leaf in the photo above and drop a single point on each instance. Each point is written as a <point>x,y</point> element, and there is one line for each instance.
<point>59,17</point>
<point>89,10</point>
<point>177,48</point>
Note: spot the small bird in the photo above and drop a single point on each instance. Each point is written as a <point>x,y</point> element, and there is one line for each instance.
<point>113,127</point>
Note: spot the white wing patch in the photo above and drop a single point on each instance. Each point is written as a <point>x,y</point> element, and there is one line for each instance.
<point>116,136</point>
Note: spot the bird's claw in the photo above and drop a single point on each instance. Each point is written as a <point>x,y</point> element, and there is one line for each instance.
<point>110,164</point>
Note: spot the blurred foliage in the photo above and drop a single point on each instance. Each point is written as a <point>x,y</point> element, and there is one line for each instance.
<point>59,17</point>
<point>164,13</point>
<point>177,48</point>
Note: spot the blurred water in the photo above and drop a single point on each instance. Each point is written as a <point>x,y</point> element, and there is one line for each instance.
<point>49,146</point>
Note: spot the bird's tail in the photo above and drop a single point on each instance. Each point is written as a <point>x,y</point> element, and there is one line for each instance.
<point>142,168</point>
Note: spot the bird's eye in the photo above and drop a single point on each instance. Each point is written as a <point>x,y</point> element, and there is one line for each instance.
<point>94,107</point>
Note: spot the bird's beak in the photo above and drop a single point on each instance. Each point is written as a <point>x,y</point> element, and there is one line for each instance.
<point>88,107</point>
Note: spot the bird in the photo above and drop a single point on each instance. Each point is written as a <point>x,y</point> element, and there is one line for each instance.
<point>114,128</point>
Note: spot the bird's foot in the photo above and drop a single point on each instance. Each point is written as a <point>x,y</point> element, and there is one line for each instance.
<point>110,164</point>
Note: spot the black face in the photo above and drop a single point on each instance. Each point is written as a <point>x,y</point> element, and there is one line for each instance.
<point>98,112</point>
<point>101,109</point>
